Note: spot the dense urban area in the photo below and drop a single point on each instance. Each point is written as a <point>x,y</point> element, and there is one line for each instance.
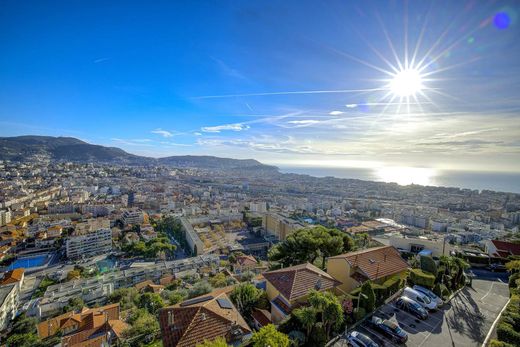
<point>209,252</point>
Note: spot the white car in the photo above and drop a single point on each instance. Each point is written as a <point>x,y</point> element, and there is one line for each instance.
<point>356,339</point>
<point>430,294</point>
<point>423,299</point>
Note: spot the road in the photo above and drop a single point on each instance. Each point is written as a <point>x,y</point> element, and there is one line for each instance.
<point>464,321</point>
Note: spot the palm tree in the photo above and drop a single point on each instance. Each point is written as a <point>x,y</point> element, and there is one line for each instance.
<point>307,317</point>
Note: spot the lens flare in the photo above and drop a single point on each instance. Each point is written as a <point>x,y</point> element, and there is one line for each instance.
<point>406,82</point>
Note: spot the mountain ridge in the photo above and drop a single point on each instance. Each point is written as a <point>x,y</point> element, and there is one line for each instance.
<point>26,147</point>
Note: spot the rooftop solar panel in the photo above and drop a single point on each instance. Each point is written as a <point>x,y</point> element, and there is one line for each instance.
<point>196,301</point>
<point>224,303</point>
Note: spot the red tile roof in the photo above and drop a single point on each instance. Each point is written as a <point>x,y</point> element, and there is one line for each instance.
<point>189,325</point>
<point>263,317</point>
<point>505,249</point>
<point>296,281</point>
<point>375,263</point>
<point>13,276</point>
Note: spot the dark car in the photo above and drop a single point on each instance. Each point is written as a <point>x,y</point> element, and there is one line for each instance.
<point>389,329</point>
<point>408,305</point>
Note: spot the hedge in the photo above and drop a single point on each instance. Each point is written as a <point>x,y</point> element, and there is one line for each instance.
<point>496,343</point>
<point>422,278</point>
<point>506,333</point>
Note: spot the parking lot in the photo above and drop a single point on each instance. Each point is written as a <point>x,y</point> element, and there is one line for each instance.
<point>464,321</point>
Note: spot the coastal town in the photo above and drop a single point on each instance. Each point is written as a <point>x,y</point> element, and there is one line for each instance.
<point>97,254</point>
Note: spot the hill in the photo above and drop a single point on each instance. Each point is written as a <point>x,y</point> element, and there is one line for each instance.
<point>26,148</point>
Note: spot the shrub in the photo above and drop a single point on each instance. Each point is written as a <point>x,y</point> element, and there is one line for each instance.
<point>496,343</point>
<point>359,314</point>
<point>421,278</point>
<point>506,333</point>
<point>441,290</point>
<point>369,301</point>
<point>428,264</point>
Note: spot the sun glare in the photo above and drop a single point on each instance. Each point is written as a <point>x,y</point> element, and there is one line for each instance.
<point>406,83</point>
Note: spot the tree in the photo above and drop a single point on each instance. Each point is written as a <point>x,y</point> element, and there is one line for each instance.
<point>269,336</point>
<point>428,265</point>
<point>368,299</point>
<point>513,266</point>
<point>151,302</point>
<point>219,280</point>
<point>126,297</point>
<point>143,325</point>
<point>23,324</point>
<point>329,306</point>
<point>74,304</point>
<point>22,340</point>
<point>245,296</point>
<point>308,244</point>
<point>174,297</point>
<point>218,342</point>
<point>200,288</point>
<point>307,317</point>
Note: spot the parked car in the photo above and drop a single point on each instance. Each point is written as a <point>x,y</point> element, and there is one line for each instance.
<point>497,267</point>
<point>390,329</point>
<point>408,305</point>
<point>357,339</point>
<point>430,294</point>
<point>421,298</point>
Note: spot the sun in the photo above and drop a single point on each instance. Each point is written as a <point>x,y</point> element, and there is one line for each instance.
<point>406,83</point>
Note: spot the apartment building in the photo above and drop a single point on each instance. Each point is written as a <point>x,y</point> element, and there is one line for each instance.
<point>5,218</point>
<point>132,217</point>
<point>89,244</point>
<point>279,225</point>
<point>9,300</point>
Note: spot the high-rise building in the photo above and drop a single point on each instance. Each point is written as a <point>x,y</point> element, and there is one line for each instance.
<point>89,244</point>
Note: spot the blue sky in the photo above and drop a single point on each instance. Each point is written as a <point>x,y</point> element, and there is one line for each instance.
<point>285,82</point>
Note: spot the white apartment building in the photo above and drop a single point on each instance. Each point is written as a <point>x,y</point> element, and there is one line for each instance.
<point>5,218</point>
<point>260,207</point>
<point>132,217</point>
<point>9,300</point>
<point>89,244</point>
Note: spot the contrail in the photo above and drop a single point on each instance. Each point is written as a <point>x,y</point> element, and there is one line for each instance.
<point>289,93</point>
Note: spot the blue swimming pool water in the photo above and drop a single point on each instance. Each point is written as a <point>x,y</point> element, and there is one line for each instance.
<point>28,262</point>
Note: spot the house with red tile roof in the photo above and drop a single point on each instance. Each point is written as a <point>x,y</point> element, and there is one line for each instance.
<point>15,276</point>
<point>501,249</point>
<point>289,288</point>
<point>90,327</point>
<point>206,317</point>
<point>375,264</point>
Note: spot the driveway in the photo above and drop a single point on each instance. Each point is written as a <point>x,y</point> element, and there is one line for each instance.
<point>464,321</point>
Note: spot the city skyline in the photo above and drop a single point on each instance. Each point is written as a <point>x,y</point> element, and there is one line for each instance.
<point>296,84</point>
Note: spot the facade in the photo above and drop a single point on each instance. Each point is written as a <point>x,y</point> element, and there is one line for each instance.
<point>203,318</point>
<point>279,226</point>
<point>92,243</point>
<point>132,217</point>
<point>5,218</point>
<point>375,264</point>
<point>9,300</point>
<point>289,288</point>
<point>194,242</point>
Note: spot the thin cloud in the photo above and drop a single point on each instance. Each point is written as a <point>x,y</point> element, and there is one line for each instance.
<point>290,93</point>
<point>163,133</point>
<point>230,127</point>
<point>100,60</point>
<point>336,113</point>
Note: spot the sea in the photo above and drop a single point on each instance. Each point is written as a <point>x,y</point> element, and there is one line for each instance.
<point>496,181</point>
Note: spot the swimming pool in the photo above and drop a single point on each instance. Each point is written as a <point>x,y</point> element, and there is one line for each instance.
<point>29,262</point>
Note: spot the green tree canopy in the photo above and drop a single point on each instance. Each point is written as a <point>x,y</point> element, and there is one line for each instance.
<point>151,302</point>
<point>329,306</point>
<point>218,342</point>
<point>308,244</point>
<point>368,301</point>
<point>269,336</point>
<point>245,296</point>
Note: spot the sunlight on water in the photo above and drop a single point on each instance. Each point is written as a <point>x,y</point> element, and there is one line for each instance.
<point>406,175</point>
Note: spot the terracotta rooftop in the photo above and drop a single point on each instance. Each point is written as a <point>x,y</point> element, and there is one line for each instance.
<point>246,260</point>
<point>13,276</point>
<point>83,324</point>
<point>377,262</point>
<point>505,249</point>
<point>263,317</point>
<point>203,318</point>
<point>296,281</point>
